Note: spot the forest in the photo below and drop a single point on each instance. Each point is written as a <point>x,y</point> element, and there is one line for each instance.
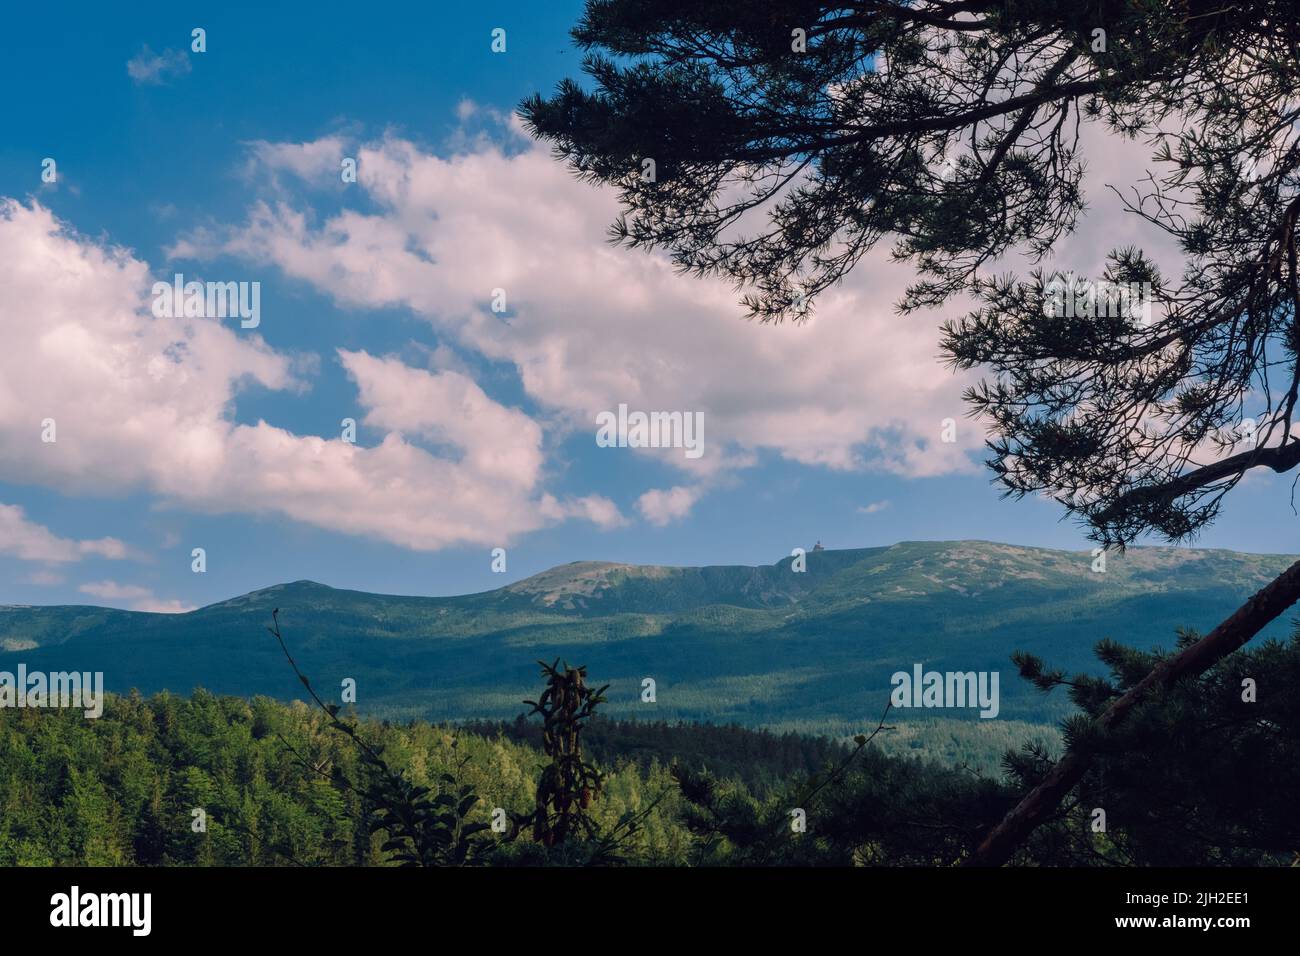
<point>1200,775</point>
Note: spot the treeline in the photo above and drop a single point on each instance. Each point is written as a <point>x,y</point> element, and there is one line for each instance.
<point>761,760</point>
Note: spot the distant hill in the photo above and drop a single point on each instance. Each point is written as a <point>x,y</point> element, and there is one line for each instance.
<point>756,645</point>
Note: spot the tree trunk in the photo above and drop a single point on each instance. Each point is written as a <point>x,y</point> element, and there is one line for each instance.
<point>1247,621</point>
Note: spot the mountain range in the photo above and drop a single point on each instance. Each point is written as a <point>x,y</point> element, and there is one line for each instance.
<point>767,645</point>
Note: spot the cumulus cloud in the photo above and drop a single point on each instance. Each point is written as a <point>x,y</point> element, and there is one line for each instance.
<point>146,402</point>
<point>873,508</point>
<point>448,407</point>
<point>588,327</point>
<point>28,541</point>
<point>661,506</point>
<point>147,68</point>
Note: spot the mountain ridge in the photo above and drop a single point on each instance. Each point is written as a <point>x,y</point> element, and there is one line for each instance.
<point>757,644</point>
<point>527,585</point>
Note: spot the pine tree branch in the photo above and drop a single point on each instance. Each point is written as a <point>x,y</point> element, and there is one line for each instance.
<point>1247,621</point>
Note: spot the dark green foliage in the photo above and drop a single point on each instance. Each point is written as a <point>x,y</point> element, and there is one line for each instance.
<point>421,828</point>
<point>1196,776</point>
<point>424,829</point>
<point>758,759</point>
<point>281,786</point>
<point>122,789</point>
<point>883,811</point>
<point>736,828</point>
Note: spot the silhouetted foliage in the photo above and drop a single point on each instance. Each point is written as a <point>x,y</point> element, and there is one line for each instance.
<point>569,783</point>
<point>1198,775</point>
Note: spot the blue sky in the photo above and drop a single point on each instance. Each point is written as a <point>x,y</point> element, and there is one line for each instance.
<point>219,165</point>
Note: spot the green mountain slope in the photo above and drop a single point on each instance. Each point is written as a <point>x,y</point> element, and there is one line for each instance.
<point>757,645</point>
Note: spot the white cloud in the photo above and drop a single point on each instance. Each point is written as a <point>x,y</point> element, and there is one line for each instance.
<point>662,506</point>
<point>597,509</point>
<point>28,541</point>
<point>143,402</point>
<point>499,443</point>
<point>318,162</point>
<point>589,326</point>
<point>873,508</point>
<point>149,68</point>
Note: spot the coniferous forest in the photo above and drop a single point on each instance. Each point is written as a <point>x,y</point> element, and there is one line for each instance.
<point>1197,777</point>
